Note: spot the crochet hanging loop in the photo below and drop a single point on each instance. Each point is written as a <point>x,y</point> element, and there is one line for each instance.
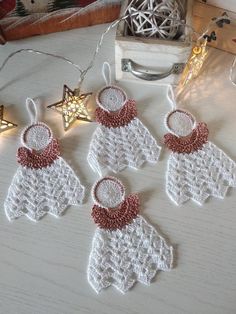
<point>171,97</point>
<point>32,110</point>
<point>232,72</point>
<point>106,73</point>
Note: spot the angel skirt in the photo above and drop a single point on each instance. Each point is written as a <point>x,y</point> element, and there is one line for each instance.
<point>126,249</point>
<point>121,140</point>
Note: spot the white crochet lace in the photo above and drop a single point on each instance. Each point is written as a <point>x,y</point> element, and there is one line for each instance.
<point>180,123</point>
<point>111,98</point>
<point>118,148</point>
<point>208,171</point>
<point>108,192</point>
<point>36,136</point>
<point>35,192</point>
<point>122,257</point>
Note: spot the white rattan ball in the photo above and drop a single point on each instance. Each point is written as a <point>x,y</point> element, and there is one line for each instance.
<point>154,18</point>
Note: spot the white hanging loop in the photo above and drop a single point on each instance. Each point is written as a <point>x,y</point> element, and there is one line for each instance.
<point>106,72</point>
<point>32,110</point>
<point>37,135</point>
<point>171,97</point>
<point>232,72</point>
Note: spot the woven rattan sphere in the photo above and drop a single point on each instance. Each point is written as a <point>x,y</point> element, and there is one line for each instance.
<point>154,18</point>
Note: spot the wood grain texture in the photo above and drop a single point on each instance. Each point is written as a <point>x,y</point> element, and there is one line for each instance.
<point>203,14</point>
<point>43,265</point>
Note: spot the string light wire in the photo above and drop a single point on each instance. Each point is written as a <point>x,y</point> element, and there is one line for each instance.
<point>211,24</point>
<point>39,53</point>
<point>84,72</point>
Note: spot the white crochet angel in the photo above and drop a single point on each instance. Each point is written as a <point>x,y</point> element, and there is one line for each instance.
<point>121,140</point>
<point>44,182</point>
<point>125,249</point>
<point>196,168</point>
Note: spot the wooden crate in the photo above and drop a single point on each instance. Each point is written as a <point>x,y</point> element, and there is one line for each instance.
<point>151,54</point>
<point>202,15</point>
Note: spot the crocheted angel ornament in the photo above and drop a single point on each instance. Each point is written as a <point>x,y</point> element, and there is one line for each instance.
<point>44,182</point>
<point>125,248</point>
<point>196,168</point>
<point>121,140</point>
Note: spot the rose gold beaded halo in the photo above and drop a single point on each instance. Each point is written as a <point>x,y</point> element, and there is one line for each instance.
<point>180,122</point>
<point>108,192</point>
<point>111,98</point>
<point>36,136</point>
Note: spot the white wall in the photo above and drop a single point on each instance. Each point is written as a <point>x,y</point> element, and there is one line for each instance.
<point>225,4</point>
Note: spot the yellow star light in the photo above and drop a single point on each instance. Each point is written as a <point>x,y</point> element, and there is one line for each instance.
<point>73,106</point>
<point>4,124</point>
<point>194,64</point>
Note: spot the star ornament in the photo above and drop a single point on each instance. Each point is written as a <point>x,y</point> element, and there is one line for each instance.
<point>4,124</point>
<point>72,107</point>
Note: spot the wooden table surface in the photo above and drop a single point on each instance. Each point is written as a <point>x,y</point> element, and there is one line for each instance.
<point>43,265</point>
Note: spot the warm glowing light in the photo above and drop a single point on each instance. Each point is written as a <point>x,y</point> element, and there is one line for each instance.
<point>194,63</point>
<point>5,125</point>
<point>72,107</point>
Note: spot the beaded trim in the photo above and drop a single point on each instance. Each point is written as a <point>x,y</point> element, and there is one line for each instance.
<point>119,118</point>
<point>38,160</point>
<point>190,143</point>
<point>113,219</point>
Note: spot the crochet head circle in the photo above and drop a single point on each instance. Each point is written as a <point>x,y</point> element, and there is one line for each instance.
<point>108,192</point>
<point>180,122</point>
<point>111,98</point>
<point>37,136</point>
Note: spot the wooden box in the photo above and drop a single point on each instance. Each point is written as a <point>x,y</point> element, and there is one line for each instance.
<point>203,12</point>
<point>151,55</point>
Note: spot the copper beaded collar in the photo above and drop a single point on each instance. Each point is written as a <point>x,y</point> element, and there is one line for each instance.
<point>38,160</point>
<point>119,217</point>
<point>190,143</point>
<point>119,118</point>
<point>112,209</point>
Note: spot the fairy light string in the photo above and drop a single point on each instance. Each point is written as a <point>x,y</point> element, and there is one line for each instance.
<point>73,105</point>
<point>83,72</point>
